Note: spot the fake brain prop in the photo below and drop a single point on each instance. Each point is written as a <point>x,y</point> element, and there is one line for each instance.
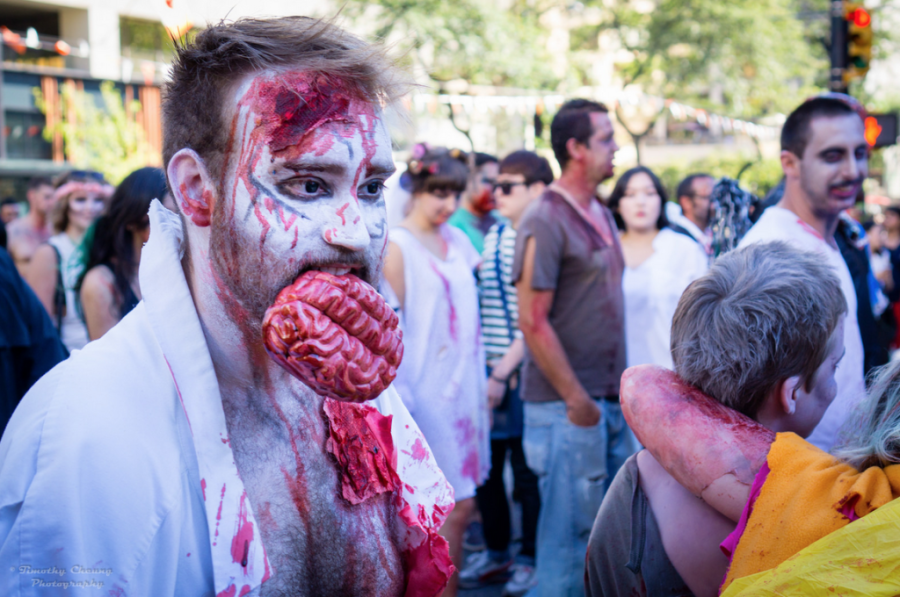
<point>336,334</point>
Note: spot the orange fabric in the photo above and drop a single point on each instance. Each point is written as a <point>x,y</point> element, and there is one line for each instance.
<point>801,501</point>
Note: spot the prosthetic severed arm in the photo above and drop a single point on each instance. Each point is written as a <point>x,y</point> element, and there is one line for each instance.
<point>712,450</point>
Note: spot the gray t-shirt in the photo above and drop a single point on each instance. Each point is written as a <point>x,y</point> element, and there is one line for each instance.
<point>588,313</point>
<point>625,553</point>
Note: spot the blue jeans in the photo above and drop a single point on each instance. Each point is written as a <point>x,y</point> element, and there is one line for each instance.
<point>574,466</point>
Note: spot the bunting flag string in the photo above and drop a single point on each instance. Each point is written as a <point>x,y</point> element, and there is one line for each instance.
<point>529,104</point>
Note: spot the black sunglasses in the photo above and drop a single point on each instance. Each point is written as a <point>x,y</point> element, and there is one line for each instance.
<point>507,187</point>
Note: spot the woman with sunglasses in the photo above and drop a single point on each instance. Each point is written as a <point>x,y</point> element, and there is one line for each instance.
<point>108,287</point>
<point>80,197</point>
<point>430,267</point>
<point>659,265</point>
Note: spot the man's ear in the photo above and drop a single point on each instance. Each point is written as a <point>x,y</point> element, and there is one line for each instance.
<point>574,149</point>
<point>192,187</point>
<point>787,394</point>
<point>790,164</point>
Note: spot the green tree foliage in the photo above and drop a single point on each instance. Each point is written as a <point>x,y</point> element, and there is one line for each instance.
<point>757,176</point>
<point>477,41</point>
<point>747,58</point>
<point>107,139</point>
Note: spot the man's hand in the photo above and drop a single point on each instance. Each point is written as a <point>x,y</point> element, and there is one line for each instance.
<point>495,392</point>
<point>583,411</point>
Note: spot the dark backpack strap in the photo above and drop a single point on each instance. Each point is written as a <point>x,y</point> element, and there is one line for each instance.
<point>59,293</point>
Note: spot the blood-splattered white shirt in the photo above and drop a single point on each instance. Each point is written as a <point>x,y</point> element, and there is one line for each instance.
<point>116,473</point>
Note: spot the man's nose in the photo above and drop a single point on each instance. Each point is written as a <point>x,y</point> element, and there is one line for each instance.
<point>347,229</point>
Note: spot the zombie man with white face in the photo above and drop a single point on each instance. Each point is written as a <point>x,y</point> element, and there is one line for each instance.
<point>236,433</point>
<point>825,159</point>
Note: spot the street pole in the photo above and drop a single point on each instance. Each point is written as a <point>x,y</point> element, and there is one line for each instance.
<point>838,47</point>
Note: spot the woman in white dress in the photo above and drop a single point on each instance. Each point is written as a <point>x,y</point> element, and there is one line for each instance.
<point>659,264</point>
<point>81,198</point>
<point>429,267</point>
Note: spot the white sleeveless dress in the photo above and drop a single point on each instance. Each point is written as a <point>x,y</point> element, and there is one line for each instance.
<point>442,378</point>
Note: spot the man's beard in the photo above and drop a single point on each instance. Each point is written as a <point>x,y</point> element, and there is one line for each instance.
<point>250,278</point>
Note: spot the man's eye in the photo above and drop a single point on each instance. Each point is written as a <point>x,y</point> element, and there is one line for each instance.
<point>373,189</point>
<point>311,186</point>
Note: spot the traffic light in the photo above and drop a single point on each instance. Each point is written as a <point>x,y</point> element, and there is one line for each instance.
<point>859,40</point>
<point>881,130</point>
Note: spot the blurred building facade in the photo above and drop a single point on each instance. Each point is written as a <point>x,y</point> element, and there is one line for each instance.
<point>86,42</point>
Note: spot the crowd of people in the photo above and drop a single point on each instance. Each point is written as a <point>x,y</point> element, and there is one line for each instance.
<point>548,335</point>
<point>77,249</point>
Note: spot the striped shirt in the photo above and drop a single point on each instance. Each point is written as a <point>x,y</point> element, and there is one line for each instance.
<point>498,325</point>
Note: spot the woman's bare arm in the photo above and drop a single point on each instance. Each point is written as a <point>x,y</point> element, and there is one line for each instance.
<point>98,301</point>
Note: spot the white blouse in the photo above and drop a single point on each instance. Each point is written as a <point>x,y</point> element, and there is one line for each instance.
<point>652,291</point>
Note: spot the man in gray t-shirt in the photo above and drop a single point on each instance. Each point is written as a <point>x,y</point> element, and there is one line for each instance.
<point>568,271</point>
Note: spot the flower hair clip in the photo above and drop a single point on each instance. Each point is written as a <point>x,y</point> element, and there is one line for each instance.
<point>433,168</point>
<point>415,167</point>
<point>419,150</point>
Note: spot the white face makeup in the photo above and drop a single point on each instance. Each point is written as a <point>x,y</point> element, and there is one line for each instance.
<point>84,209</point>
<point>303,187</point>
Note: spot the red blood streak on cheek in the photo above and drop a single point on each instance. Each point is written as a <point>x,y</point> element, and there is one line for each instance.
<point>229,592</point>
<point>340,214</point>
<point>360,440</point>
<point>203,488</point>
<point>244,590</point>
<point>264,223</point>
<point>240,543</point>
<point>336,334</point>
<point>219,516</point>
<point>446,284</point>
<point>294,242</point>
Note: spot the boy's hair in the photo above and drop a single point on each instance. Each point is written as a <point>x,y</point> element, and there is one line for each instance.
<point>796,130</point>
<point>529,164</point>
<point>573,121</point>
<point>760,315</point>
<point>205,70</point>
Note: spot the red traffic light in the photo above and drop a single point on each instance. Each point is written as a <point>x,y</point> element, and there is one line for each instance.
<point>861,17</point>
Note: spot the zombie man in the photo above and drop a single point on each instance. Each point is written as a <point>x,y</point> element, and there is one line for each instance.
<point>236,434</point>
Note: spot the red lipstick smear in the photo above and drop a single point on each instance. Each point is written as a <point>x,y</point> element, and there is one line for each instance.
<point>336,334</point>
<point>360,439</point>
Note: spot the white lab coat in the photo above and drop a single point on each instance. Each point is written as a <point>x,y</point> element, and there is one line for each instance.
<point>116,468</point>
